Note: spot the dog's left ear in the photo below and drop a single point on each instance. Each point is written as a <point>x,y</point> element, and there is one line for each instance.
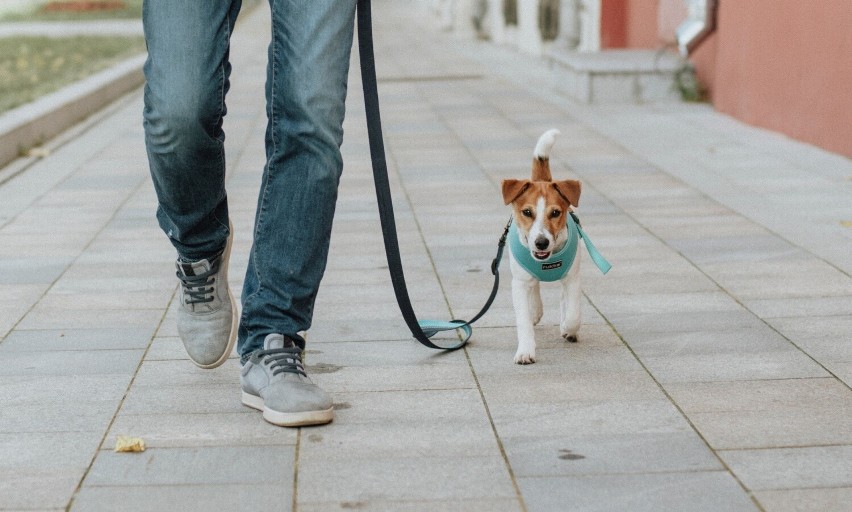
<point>569,190</point>
<point>513,188</point>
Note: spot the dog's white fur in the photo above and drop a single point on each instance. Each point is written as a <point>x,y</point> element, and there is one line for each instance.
<point>526,294</point>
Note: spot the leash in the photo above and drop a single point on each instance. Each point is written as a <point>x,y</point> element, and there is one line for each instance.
<point>425,329</point>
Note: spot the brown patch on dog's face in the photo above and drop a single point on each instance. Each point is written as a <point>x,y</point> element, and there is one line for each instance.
<point>540,211</point>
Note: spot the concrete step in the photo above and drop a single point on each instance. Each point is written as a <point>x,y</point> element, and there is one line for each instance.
<point>617,76</point>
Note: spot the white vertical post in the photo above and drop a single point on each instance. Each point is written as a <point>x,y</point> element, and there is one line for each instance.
<point>590,26</point>
<point>529,36</point>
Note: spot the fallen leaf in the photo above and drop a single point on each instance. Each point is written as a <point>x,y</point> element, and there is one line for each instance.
<point>129,444</point>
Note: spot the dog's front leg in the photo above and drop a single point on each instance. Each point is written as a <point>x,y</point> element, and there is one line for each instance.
<point>570,305</point>
<point>524,291</point>
<point>536,307</point>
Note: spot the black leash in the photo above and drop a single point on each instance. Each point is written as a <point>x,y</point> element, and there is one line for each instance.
<point>421,330</point>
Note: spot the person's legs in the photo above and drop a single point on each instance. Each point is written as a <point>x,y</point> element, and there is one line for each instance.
<point>187,79</point>
<point>306,93</point>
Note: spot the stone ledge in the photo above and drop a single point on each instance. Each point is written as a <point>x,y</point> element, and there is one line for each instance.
<point>616,76</point>
<point>34,123</point>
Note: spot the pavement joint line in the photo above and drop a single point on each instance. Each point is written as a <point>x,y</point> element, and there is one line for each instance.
<point>785,447</point>
<point>294,506</point>
<point>496,434</point>
<point>680,410</point>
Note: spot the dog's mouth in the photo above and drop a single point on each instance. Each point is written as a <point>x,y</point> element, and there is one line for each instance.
<point>541,255</point>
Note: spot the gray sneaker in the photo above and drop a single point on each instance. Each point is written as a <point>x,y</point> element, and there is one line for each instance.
<point>207,318</point>
<point>274,381</point>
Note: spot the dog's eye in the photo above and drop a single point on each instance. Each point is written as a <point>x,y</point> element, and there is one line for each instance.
<point>555,214</point>
<point>527,212</point>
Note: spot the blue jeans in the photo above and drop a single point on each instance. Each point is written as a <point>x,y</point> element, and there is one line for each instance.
<point>187,75</point>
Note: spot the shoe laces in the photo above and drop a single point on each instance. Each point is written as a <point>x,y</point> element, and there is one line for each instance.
<point>198,289</point>
<point>283,360</point>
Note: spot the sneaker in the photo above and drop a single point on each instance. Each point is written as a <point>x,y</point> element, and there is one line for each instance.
<point>207,318</point>
<point>274,381</point>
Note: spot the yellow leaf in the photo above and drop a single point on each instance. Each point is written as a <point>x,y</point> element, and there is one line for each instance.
<point>129,444</point>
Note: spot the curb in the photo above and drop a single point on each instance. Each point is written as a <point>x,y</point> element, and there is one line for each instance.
<point>37,122</point>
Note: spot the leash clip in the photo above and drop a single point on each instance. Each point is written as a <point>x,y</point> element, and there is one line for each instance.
<point>495,263</point>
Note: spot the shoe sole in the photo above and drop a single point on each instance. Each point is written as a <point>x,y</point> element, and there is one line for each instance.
<point>288,419</point>
<point>232,336</point>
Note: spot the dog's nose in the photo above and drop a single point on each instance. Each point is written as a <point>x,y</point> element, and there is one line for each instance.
<point>541,243</point>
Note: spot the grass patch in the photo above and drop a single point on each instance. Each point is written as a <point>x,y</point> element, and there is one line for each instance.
<point>31,67</point>
<point>71,10</point>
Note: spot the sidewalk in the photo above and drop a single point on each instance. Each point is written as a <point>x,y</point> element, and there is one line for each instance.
<point>713,369</point>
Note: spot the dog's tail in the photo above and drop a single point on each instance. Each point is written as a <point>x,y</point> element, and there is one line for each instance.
<point>541,156</point>
<point>545,144</point>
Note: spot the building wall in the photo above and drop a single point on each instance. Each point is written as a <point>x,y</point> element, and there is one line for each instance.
<point>785,65</point>
<point>629,24</point>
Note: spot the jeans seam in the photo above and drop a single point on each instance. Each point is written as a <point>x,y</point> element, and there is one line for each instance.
<point>220,116</point>
<point>265,192</point>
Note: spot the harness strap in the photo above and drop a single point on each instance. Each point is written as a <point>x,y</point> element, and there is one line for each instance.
<point>421,330</point>
<point>601,262</point>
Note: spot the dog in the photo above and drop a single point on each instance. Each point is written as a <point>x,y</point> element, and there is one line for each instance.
<point>544,246</point>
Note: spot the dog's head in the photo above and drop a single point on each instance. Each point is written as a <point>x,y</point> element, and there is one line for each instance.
<point>542,205</point>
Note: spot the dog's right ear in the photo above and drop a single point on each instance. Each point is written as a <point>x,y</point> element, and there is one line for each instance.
<point>513,188</point>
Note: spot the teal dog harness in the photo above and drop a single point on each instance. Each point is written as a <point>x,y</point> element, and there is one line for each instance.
<point>559,263</point>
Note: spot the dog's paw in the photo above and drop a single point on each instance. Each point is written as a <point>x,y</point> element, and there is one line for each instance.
<point>525,357</point>
<point>570,338</point>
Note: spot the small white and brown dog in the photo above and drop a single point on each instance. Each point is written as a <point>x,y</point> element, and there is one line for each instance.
<point>543,247</point>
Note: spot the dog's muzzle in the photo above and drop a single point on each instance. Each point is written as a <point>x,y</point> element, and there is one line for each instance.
<point>542,244</point>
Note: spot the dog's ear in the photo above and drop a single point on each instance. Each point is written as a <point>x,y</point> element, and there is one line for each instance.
<point>569,190</point>
<point>513,188</point>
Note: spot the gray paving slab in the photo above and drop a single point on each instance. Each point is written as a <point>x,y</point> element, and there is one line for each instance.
<point>190,498</point>
<point>636,453</point>
<point>806,500</point>
<point>696,491</point>
<point>800,306</point>
<point>197,430</point>
<point>214,465</point>
<point>75,362</point>
<point>792,468</point>
<point>472,505</point>
<point>440,478</point>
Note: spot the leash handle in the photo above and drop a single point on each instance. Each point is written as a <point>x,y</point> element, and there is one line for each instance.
<point>424,330</point>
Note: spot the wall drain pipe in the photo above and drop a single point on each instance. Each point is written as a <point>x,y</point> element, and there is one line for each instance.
<point>700,23</point>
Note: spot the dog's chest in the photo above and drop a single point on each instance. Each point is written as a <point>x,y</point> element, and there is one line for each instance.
<point>553,268</point>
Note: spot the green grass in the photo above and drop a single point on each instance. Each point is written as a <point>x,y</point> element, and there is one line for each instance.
<point>31,67</point>
<point>131,9</point>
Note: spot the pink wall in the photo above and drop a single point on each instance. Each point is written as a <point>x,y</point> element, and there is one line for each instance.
<point>786,65</point>
<point>629,24</point>
<point>642,24</point>
<point>670,14</point>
